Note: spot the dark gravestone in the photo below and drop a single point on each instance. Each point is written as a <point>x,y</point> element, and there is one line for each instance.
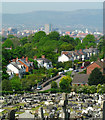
<point>104,110</point>
<point>11,115</point>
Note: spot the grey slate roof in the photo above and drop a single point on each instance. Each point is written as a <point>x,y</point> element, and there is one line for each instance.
<point>80,79</point>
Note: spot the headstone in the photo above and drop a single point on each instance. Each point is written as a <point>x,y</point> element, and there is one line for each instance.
<point>40,113</point>
<point>104,110</point>
<point>11,115</point>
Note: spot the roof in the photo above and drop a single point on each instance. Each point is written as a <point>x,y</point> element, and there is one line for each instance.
<point>100,63</point>
<point>24,61</point>
<point>80,79</point>
<point>44,59</point>
<point>15,65</point>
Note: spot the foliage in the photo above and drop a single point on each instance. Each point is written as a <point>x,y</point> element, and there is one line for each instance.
<point>65,83</point>
<point>38,36</point>
<point>8,43</point>
<point>54,85</point>
<point>23,41</point>
<point>96,77</point>
<point>54,35</point>
<point>6,85</point>
<point>16,83</point>
<point>88,41</point>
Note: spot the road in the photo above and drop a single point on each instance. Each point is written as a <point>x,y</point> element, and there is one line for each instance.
<point>49,86</point>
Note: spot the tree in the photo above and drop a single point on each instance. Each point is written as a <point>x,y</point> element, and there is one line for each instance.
<point>89,40</point>
<point>54,85</point>
<point>23,40</point>
<point>16,83</point>
<point>96,77</point>
<point>77,41</point>
<point>37,37</point>
<point>65,83</point>
<point>54,35</point>
<point>66,47</point>
<point>8,43</point>
<point>6,85</point>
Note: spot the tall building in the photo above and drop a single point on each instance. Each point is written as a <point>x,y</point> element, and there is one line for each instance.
<point>48,28</point>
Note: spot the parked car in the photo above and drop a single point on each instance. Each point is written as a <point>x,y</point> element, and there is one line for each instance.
<point>76,70</point>
<point>82,67</point>
<point>39,87</point>
<point>71,69</point>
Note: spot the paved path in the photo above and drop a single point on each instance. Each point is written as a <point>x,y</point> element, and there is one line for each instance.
<point>49,86</point>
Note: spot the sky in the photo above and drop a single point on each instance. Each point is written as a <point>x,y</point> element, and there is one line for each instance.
<point>24,7</point>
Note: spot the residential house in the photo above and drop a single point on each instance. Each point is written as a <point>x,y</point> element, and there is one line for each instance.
<point>19,67</point>
<point>80,79</point>
<point>43,62</point>
<point>98,64</point>
<point>65,56</point>
<point>81,54</point>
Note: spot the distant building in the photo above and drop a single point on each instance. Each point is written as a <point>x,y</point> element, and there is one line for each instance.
<point>48,28</point>
<point>43,62</point>
<point>12,31</point>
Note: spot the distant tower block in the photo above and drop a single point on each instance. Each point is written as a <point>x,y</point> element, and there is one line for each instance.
<point>48,28</point>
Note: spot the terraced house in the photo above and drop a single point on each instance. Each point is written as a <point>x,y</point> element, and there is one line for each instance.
<point>81,54</point>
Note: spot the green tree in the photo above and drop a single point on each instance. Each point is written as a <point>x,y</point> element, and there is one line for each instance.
<point>54,35</point>
<point>8,43</point>
<point>6,85</point>
<point>38,36</point>
<point>96,77</point>
<point>65,83</point>
<point>54,85</point>
<point>23,40</point>
<point>77,41</point>
<point>89,41</point>
<point>16,83</point>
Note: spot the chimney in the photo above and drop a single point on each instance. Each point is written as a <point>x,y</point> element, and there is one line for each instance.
<point>98,59</point>
<point>17,59</point>
<point>86,48</point>
<point>43,56</point>
<point>75,50</point>
<point>26,59</point>
<point>23,57</point>
<point>14,60</point>
<point>35,57</point>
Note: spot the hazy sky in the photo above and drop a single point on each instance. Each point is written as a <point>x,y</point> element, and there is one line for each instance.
<point>24,7</point>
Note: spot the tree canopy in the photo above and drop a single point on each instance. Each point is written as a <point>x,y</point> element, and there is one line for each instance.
<point>96,77</point>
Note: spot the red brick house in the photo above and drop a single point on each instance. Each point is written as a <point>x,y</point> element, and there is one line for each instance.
<point>99,64</point>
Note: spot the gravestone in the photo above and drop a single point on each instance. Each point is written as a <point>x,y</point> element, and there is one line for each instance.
<point>40,113</point>
<point>11,115</point>
<point>64,103</point>
<point>104,110</point>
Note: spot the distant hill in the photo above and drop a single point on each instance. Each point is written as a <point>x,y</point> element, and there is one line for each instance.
<point>88,17</point>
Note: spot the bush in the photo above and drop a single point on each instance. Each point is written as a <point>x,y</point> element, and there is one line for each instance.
<point>54,85</point>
